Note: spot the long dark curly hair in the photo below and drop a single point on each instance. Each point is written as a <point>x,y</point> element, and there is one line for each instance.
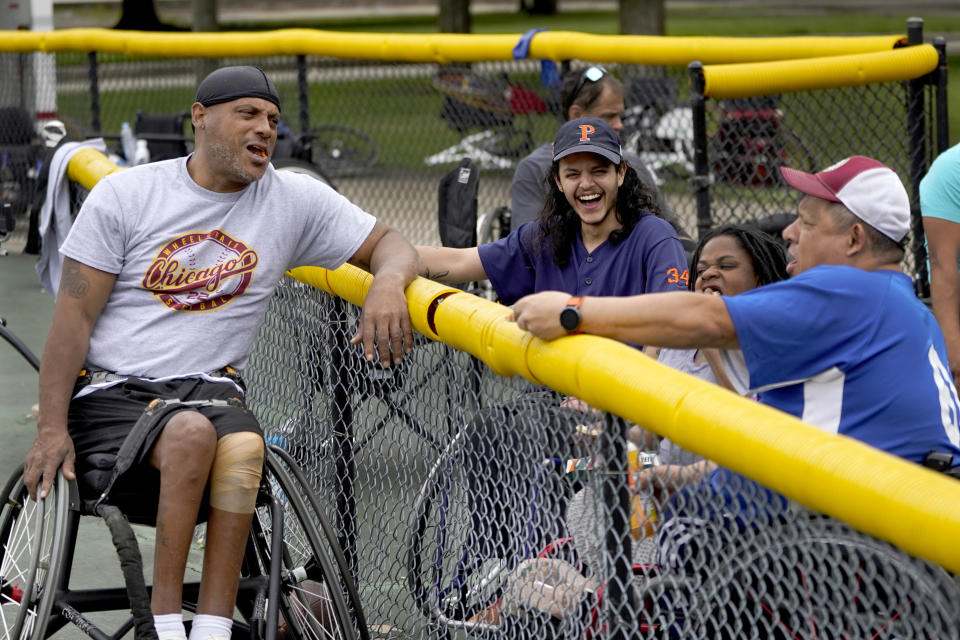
<point>559,224</point>
<point>766,253</point>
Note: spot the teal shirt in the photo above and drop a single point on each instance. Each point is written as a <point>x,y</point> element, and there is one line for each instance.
<point>940,189</point>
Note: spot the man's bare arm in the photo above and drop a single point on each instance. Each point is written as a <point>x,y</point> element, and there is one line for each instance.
<point>448,264</point>
<point>385,322</point>
<point>83,293</point>
<point>677,319</point>
<point>943,240</point>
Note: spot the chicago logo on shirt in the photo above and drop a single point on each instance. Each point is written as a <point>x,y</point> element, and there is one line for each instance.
<point>200,271</point>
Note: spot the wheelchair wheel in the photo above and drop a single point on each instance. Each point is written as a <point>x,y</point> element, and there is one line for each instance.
<point>306,168</point>
<point>317,598</point>
<point>824,579</point>
<point>449,584</point>
<point>32,541</point>
<point>340,150</point>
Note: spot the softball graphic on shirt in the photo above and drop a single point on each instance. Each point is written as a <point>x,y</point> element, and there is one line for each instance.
<point>200,271</point>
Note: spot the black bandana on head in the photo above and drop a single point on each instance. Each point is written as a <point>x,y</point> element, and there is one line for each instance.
<point>231,83</point>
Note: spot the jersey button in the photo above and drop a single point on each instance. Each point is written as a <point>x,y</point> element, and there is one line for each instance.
<point>588,280</point>
<point>589,258</point>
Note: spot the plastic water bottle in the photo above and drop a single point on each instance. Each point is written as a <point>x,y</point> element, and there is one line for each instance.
<point>142,154</point>
<point>129,143</point>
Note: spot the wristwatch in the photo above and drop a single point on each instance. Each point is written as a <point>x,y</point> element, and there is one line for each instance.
<point>570,317</point>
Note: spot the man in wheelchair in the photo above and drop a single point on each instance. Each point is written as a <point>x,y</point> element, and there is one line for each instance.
<point>168,271</point>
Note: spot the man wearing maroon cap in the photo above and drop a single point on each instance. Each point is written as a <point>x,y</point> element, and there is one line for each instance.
<point>844,344</point>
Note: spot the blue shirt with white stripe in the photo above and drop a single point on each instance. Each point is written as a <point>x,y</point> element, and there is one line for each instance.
<point>852,352</point>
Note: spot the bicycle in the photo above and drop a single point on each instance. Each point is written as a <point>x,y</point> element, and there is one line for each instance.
<point>491,104</point>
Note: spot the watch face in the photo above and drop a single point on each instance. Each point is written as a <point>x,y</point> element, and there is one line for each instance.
<point>570,318</point>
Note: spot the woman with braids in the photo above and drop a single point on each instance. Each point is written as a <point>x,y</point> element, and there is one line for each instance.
<point>598,235</point>
<point>728,260</point>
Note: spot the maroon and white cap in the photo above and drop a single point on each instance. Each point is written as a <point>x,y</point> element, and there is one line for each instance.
<point>871,190</point>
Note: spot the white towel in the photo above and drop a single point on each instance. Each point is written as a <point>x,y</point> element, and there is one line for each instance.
<point>55,214</point>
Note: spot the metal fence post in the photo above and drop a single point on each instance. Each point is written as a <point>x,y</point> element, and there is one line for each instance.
<point>94,92</point>
<point>618,541</point>
<point>943,121</point>
<point>302,94</point>
<point>701,166</point>
<point>916,133</point>
<point>345,469</point>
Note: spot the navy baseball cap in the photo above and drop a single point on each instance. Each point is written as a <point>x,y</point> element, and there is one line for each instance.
<point>231,83</point>
<point>591,135</point>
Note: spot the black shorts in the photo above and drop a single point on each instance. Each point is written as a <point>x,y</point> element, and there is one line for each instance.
<point>99,422</point>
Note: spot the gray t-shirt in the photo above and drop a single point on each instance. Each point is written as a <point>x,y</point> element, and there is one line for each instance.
<point>527,193</point>
<point>195,268</point>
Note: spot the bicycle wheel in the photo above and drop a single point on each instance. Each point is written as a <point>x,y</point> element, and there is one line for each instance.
<point>340,150</point>
<point>304,167</point>
<point>317,596</point>
<point>32,542</point>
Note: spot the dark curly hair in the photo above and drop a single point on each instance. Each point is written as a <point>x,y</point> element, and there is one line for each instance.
<point>559,224</point>
<point>766,253</point>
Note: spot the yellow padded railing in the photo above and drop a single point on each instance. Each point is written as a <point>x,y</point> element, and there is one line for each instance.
<point>786,76</point>
<point>443,48</point>
<point>914,508</point>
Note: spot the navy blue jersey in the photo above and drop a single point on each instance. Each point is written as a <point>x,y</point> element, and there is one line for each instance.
<point>852,352</point>
<point>650,259</point>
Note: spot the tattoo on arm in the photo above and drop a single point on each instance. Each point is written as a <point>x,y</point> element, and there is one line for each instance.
<point>73,282</point>
<point>439,276</point>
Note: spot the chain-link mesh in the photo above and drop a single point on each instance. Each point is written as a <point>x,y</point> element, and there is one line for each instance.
<point>479,506</point>
<point>749,139</point>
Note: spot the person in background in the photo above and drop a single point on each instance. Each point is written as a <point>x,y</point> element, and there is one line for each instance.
<point>591,93</point>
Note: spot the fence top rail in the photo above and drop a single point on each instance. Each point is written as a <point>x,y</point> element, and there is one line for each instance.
<point>914,508</point>
<point>442,48</point>
<point>788,76</point>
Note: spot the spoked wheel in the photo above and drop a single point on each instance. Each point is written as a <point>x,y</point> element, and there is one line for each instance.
<point>301,166</point>
<point>317,598</point>
<point>340,150</point>
<point>449,583</point>
<point>832,583</point>
<point>31,554</point>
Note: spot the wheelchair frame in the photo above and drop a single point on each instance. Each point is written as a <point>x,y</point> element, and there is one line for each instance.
<point>290,548</point>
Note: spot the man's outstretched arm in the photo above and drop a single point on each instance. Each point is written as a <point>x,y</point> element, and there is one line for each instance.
<point>385,322</point>
<point>83,293</point>
<point>677,319</point>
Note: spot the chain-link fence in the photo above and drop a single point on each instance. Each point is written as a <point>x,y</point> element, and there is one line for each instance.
<point>473,505</point>
<point>748,138</point>
<point>470,504</point>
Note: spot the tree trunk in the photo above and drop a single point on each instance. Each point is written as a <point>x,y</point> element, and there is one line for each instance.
<point>642,17</point>
<point>453,16</point>
<point>539,7</point>
<point>205,15</point>
<point>141,15</point>
<point>205,19</point>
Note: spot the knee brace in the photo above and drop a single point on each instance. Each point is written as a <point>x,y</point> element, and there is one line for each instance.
<point>235,477</point>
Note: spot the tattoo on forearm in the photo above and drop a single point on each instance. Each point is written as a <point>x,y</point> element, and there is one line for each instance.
<point>73,282</point>
<point>440,276</point>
